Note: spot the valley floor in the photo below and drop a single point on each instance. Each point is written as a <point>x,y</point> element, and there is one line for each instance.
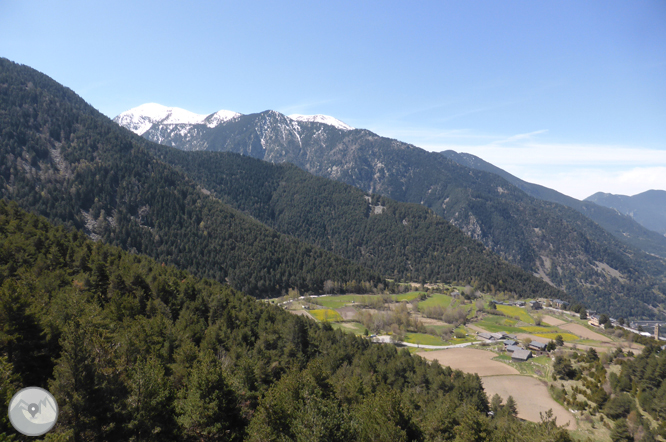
<point>411,320</point>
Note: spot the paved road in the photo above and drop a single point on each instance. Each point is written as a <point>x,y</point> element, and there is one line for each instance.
<point>387,340</point>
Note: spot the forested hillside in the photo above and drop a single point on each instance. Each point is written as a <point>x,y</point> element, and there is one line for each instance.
<point>555,242</point>
<point>399,240</point>
<point>63,159</point>
<point>137,350</point>
<point>644,377</point>
<point>68,162</point>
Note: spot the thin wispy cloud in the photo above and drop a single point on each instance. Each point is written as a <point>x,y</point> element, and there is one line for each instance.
<point>518,137</point>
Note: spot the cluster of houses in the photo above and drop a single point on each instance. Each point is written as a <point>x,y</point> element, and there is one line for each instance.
<point>511,345</point>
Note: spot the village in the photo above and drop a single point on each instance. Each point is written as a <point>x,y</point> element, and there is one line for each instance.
<point>516,346</point>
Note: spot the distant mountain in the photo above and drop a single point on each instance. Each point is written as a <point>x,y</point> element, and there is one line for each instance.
<point>176,127</point>
<point>647,208</point>
<point>555,242</point>
<point>625,228</point>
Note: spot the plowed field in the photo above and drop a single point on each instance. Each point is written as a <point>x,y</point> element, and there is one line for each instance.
<point>470,361</point>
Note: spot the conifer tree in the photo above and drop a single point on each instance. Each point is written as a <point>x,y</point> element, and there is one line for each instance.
<point>620,432</point>
<point>208,406</point>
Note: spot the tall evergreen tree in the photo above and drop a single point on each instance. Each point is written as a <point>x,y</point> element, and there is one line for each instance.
<point>208,407</point>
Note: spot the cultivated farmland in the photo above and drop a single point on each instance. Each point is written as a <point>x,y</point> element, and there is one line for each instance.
<point>585,332</point>
<point>531,396</point>
<point>470,361</point>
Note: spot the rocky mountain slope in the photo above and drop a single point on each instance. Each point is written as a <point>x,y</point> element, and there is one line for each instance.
<point>618,222</point>
<point>647,208</point>
<point>547,239</point>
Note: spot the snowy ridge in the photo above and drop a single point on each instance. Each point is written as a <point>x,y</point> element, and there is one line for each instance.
<point>218,117</point>
<point>324,119</point>
<point>142,118</point>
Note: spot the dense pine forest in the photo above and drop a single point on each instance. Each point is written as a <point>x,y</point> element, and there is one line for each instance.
<point>134,349</point>
<point>402,241</point>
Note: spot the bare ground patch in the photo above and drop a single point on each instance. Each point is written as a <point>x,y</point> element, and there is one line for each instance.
<point>531,396</point>
<point>428,321</point>
<point>522,336</point>
<point>347,313</point>
<point>476,328</point>
<point>470,360</point>
<point>584,332</point>
<point>301,313</point>
<point>348,325</point>
<point>553,321</point>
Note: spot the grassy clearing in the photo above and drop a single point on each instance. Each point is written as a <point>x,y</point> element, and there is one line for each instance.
<point>423,339</point>
<point>501,320</point>
<point>326,315</point>
<point>336,301</point>
<point>471,309</point>
<point>350,327</point>
<point>497,324</point>
<point>440,328</point>
<point>436,299</point>
<point>539,367</point>
<point>516,312</point>
<point>407,296</point>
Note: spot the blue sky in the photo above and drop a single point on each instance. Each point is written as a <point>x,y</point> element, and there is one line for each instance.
<point>568,94</point>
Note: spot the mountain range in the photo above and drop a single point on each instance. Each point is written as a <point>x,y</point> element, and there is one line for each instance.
<point>266,228</point>
<point>64,160</point>
<point>619,223</point>
<point>591,252</point>
<point>647,208</point>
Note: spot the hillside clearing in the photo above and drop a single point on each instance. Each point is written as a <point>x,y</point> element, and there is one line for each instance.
<point>553,321</point>
<point>516,312</point>
<point>326,315</point>
<point>470,360</point>
<point>531,396</point>
<point>585,332</point>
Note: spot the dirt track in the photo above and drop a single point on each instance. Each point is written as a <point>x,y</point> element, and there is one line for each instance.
<point>531,396</point>
<point>470,361</point>
<point>301,313</point>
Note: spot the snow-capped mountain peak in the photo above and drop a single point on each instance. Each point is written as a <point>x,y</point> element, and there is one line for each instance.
<point>325,119</point>
<point>218,117</point>
<point>141,118</point>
